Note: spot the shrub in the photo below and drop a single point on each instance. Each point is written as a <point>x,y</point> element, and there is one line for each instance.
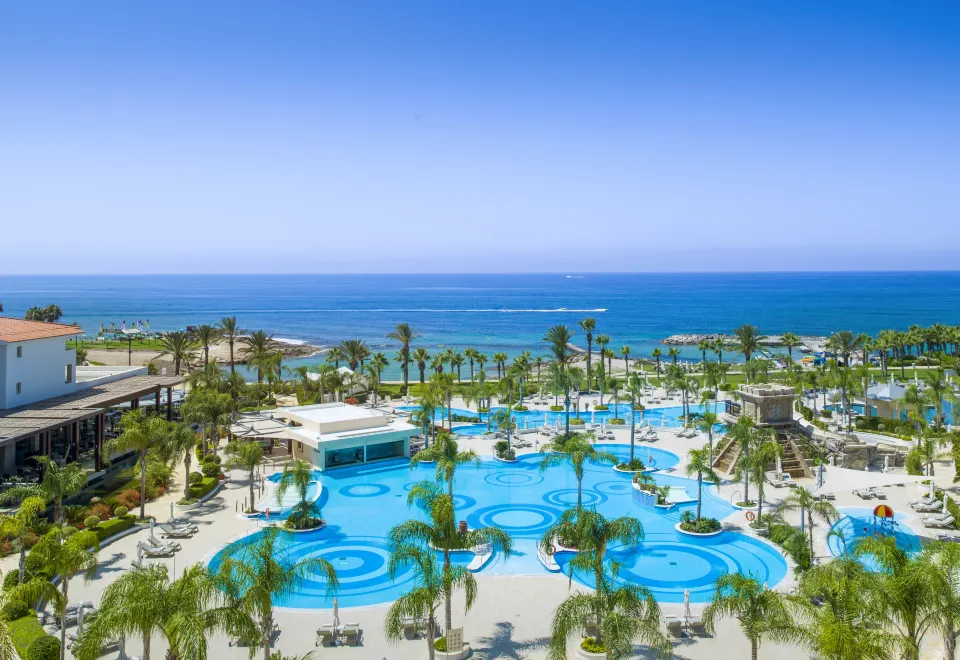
<point>502,451</point>
<point>726,387</point>
<point>616,421</point>
<point>634,465</point>
<point>44,648</point>
<point>351,401</point>
<point>914,461</point>
<point>91,521</point>
<point>69,531</point>
<point>25,631</point>
<point>483,409</point>
<point>576,421</point>
<point>103,511</point>
<point>34,567</point>
<point>601,407</point>
<point>14,609</point>
<point>591,645</point>
<point>196,478</point>
<point>703,526</point>
<point>129,498</point>
<point>121,511</point>
<point>116,525</point>
<point>441,644</point>
<point>199,490</point>
<point>211,470</point>
<point>159,473</point>
<point>11,579</point>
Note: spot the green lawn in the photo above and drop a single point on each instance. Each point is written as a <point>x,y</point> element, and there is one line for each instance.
<point>138,344</point>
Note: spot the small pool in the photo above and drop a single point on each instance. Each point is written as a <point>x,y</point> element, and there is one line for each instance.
<point>362,503</point>
<point>291,497</point>
<point>858,523</point>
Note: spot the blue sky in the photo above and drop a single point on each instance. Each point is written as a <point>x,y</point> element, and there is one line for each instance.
<point>478,136</point>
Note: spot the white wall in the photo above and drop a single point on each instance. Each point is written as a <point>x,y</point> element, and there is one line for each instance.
<point>40,371</point>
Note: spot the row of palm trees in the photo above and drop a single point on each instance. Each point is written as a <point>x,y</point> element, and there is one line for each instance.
<point>257,348</point>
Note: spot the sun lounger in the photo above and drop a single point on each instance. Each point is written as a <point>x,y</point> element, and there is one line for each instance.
<point>863,494</point>
<point>151,551</point>
<point>352,634</point>
<point>674,625</point>
<point>695,622</point>
<point>879,493</point>
<point>938,522</point>
<point>948,538</point>
<point>410,627</point>
<point>927,508</point>
<point>243,641</point>
<point>326,635</point>
<point>157,543</point>
<point>171,532</point>
<point>923,501</point>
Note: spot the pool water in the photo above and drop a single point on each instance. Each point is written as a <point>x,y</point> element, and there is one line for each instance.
<point>858,522</point>
<point>291,497</point>
<point>668,417</point>
<point>362,503</point>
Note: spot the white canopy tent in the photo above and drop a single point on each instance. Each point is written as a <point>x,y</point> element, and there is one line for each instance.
<point>841,480</point>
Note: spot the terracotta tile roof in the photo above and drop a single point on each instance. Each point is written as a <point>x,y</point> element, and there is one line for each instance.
<point>20,330</point>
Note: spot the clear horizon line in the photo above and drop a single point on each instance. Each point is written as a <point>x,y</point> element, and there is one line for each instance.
<point>478,273</point>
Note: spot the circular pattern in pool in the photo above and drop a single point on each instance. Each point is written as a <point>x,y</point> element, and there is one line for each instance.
<point>857,523</point>
<point>365,502</point>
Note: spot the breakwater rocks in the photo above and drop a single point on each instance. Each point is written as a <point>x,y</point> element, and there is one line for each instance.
<point>692,340</point>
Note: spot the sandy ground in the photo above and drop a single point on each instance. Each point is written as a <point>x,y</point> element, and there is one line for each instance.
<point>511,618</point>
<point>115,357</point>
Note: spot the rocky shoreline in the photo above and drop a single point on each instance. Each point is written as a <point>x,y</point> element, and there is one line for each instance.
<point>692,340</point>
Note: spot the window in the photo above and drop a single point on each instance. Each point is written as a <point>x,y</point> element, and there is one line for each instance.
<point>19,351</point>
<point>68,374</point>
<point>19,388</point>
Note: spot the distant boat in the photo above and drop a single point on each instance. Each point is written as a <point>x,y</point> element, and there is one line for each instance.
<point>574,277</point>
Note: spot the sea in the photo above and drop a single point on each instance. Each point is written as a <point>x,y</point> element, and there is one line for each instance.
<point>493,313</point>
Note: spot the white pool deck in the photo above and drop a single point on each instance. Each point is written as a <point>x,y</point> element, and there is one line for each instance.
<point>510,619</point>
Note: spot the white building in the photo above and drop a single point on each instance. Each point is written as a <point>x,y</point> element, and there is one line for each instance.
<point>330,435</point>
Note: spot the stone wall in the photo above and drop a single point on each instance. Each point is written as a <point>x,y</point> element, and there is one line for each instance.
<point>858,456</point>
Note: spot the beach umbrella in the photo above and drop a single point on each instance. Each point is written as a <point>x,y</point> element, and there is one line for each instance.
<point>886,463</point>
<point>931,490</point>
<point>686,604</point>
<point>171,512</point>
<point>153,523</point>
<point>336,613</point>
<point>139,554</point>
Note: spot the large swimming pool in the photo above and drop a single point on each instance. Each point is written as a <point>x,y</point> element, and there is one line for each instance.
<point>657,417</point>
<point>362,503</point>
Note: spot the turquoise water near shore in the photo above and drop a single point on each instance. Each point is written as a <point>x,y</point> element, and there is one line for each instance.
<point>505,312</point>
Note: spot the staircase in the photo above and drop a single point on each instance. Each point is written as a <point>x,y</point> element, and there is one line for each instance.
<point>793,461</point>
<point>724,461</point>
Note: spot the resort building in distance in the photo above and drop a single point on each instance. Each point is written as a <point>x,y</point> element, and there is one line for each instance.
<point>330,435</point>
<point>50,406</point>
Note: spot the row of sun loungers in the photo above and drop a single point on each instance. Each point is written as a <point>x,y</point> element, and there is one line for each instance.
<point>677,624</point>
<point>870,493</point>
<point>349,633</point>
<point>942,521</point>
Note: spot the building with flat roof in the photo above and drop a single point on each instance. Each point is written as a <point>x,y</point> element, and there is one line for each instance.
<point>330,435</point>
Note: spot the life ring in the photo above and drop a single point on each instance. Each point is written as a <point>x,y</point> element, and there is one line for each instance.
<point>550,550</point>
<point>751,516</point>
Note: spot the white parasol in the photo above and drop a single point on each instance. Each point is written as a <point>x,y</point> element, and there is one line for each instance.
<point>336,613</point>
<point>686,603</point>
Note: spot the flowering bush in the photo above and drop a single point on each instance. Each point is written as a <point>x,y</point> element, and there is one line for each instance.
<point>351,400</point>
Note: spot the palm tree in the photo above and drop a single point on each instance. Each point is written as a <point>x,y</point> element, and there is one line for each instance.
<point>456,362</point>
<point>446,454</point>
<point>335,355</point>
<point>146,603</point>
<point>802,500</point>
<point>470,354</point>
<point>625,352</point>
<point>142,435</point>
<point>843,343</point>
<point>747,341</point>
<point>481,358</point>
<point>762,612</point>
<point>180,444</point>
<point>405,334</point>
<point>744,433</point>
<point>64,556</point>
<point>835,614</point>
<point>698,463</point>
<point>576,451</point>
<point>16,525</point>
<point>356,352</point>
<point>420,603</point>
<point>501,359</point>
<point>588,325</point>
<point>179,346</point>
<point>790,340</point>
<point>443,383</point>
<point>938,389</point>
<point>256,575</point>
<point>245,455</point>
<point>56,484</point>
<point>420,356</point>
<point>602,341</point>
<point>620,614</point>
<point>657,354</point>
<point>437,363</point>
<point>943,560</point>
<point>206,335</point>
<point>230,329</point>
<point>297,474</point>
<point>633,394</point>
<point>673,352</point>
<point>258,348</point>
<point>764,450</point>
<point>559,338</point>
<point>706,423</point>
<point>441,532</point>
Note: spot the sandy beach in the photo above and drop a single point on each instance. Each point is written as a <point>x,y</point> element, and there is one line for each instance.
<point>219,352</point>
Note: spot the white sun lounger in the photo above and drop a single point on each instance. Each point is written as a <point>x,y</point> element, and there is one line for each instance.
<point>935,505</point>
<point>674,624</point>
<point>938,521</point>
<point>351,633</point>
<point>151,551</point>
<point>157,543</point>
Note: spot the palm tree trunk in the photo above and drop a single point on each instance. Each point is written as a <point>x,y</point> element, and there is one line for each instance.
<point>810,530</point>
<point>566,405</point>
<point>447,592</point>
<point>265,628</point>
<point>232,368</point>
<point>431,636</point>
<point>143,483</point>
<point>753,649</point>
<point>65,585</point>
<point>633,428</point>
<point>251,488</point>
<point>186,476</point>
<point>950,645</point>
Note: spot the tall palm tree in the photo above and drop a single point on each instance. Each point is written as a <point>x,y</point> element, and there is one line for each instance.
<point>230,329</point>
<point>698,463</point>
<point>335,355</point>
<point>179,346</point>
<point>620,614</point>
<point>456,362</point>
<point>500,358</point>
<point>576,451</point>
<point>442,532</point>
<point>674,353</point>
<point>180,444</point>
<point>423,599</point>
<point>657,354</point>
<point>206,335</point>
<point>144,602</point>
<point>747,341</point>
<point>437,363</point>
<point>255,575</point>
<point>744,433</point>
<point>297,474</point>
<point>634,392</point>
<point>706,423</point>
<point>258,348</point>
<point>447,456</point>
<point>843,343</point>
<point>142,435</point>
<point>18,524</point>
<point>943,560</point>
<point>790,340</point>
<point>764,451</point>
<point>938,389</point>
<point>64,556</point>
<point>703,346</point>
<point>719,346</point>
<point>470,354</point>
<point>405,334</point>
<point>588,325</point>
<point>481,359</point>
<point>835,614</point>
<point>602,341</point>
<point>625,352</point>
<point>356,352</point>
<point>420,356</point>
<point>810,506</point>
<point>444,384</point>
<point>246,455</point>
<point>559,338</point>
<point>379,362</point>
<point>56,484</point>
<point>761,612</point>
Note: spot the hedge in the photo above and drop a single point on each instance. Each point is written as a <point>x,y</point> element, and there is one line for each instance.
<point>44,648</point>
<point>199,490</point>
<point>113,526</point>
<point>24,632</point>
